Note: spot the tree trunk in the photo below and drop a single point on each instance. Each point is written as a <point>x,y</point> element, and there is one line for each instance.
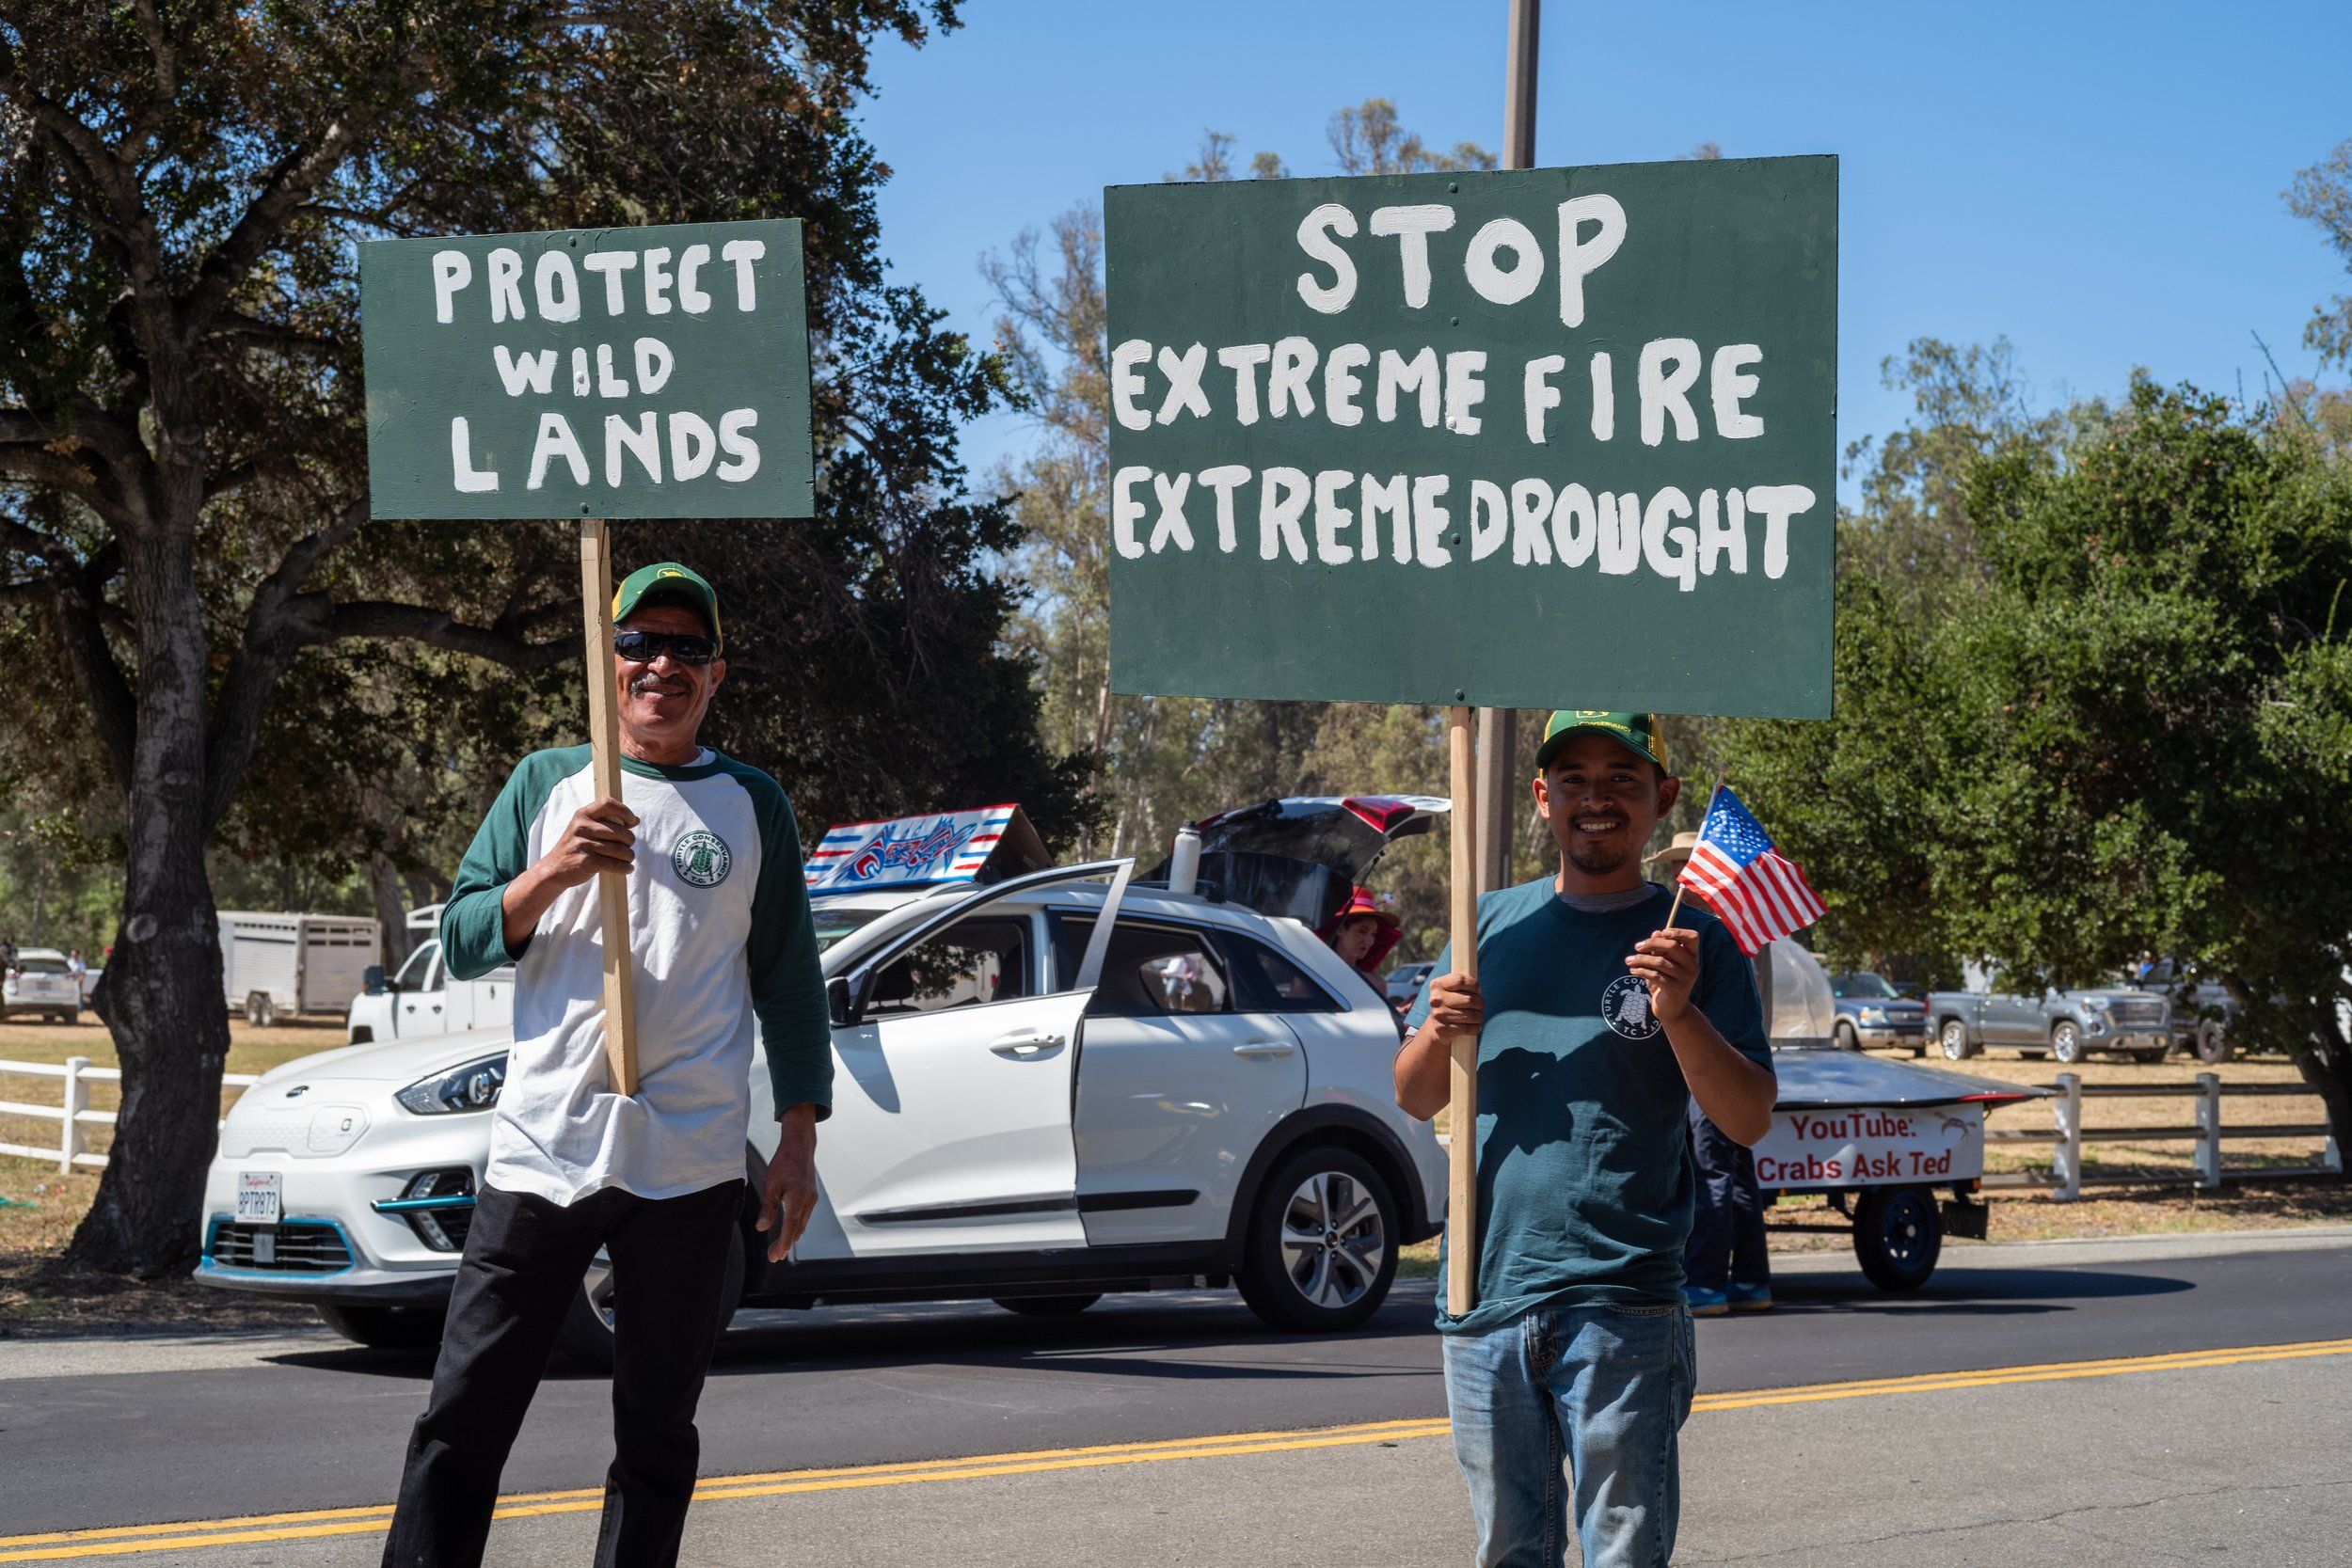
<point>2326,1066</point>
<point>391,911</point>
<point>161,995</point>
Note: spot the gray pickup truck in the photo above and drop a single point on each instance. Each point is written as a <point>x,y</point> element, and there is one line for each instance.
<point>2068,1024</point>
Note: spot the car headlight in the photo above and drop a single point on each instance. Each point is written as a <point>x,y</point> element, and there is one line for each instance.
<point>2097,1004</point>
<point>1874,1015</point>
<point>471,1087</point>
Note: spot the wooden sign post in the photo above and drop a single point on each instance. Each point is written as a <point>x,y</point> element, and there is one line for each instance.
<point>1461,1213</point>
<point>604,740</point>
<point>590,375</point>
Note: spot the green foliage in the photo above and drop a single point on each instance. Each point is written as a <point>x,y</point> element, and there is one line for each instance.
<point>2321,195</point>
<point>2133,736</point>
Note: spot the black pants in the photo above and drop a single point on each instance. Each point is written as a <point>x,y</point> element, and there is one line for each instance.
<point>523,1263</point>
<point>1727,1220</point>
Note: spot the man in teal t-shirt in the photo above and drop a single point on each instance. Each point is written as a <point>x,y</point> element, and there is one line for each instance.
<point>1597,1026</point>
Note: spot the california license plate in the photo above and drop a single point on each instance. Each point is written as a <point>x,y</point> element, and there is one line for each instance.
<point>261,1196</point>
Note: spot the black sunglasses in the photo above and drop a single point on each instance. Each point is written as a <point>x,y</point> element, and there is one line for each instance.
<point>643,647</point>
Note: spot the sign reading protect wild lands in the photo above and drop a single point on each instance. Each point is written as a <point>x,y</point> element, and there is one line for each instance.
<point>595,373</point>
<point>1537,438</point>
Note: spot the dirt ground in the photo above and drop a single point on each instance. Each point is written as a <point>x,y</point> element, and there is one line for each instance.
<point>39,1208</point>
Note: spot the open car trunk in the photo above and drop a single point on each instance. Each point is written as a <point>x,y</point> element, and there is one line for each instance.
<point>1299,857</point>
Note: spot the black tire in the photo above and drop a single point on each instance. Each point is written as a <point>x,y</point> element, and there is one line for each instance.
<point>2067,1043</point>
<point>1951,1038</point>
<point>1336,1281</point>
<point>2212,1047</point>
<point>586,1338</point>
<point>1897,1236</point>
<point>1047,1306</point>
<point>386,1327</point>
<point>1844,1034</point>
<point>2147,1057</point>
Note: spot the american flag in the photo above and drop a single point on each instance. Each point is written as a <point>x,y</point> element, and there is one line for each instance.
<point>1753,889</point>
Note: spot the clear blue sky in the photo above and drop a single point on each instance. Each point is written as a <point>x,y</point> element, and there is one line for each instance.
<point>2099,182</point>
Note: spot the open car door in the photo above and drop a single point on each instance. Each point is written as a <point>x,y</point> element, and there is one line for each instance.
<point>1299,856</point>
<point>957,1048</point>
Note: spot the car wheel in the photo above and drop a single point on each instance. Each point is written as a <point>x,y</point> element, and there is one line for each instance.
<point>2213,1046</point>
<point>1847,1039</point>
<point>1897,1236</point>
<point>1047,1306</point>
<point>2066,1041</point>
<point>260,1010</point>
<point>2148,1057</point>
<point>586,1336</point>
<point>1953,1039</point>
<point>1321,1249</point>
<point>386,1327</point>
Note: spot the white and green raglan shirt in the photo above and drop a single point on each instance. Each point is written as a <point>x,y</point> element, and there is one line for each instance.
<point>720,929</point>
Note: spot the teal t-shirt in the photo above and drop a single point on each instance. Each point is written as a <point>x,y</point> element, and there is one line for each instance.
<point>1583,1140</point>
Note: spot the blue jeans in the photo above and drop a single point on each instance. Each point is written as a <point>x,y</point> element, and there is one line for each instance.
<point>1605,1387</point>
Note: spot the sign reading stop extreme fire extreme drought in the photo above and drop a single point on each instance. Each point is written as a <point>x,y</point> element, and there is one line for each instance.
<point>591,372</point>
<point>1532,438</point>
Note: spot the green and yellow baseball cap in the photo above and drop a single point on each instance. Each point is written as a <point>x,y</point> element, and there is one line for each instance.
<point>1637,732</point>
<point>663,579</point>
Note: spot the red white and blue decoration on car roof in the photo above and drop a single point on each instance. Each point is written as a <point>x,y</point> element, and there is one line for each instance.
<point>935,847</point>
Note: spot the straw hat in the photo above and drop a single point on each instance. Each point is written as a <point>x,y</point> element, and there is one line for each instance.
<point>1672,856</point>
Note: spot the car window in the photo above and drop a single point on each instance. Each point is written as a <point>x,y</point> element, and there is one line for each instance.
<point>1862,983</point>
<point>40,966</point>
<point>1267,982</point>
<point>970,964</point>
<point>420,964</point>
<point>834,924</point>
<point>1148,971</point>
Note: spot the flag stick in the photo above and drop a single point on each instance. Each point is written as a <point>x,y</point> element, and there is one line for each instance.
<point>604,737</point>
<point>1461,1209</point>
<point>1680,887</point>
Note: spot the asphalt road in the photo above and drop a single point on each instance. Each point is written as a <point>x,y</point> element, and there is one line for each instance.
<point>117,1433</point>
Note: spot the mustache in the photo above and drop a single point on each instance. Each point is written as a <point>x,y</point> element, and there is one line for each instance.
<point>649,681</point>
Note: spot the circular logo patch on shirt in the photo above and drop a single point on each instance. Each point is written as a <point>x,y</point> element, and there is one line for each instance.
<point>701,858</point>
<point>1625,1007</point>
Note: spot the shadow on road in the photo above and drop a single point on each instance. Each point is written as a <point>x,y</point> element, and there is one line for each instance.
<point>1209,1335</point>
<point>1971,1293</point>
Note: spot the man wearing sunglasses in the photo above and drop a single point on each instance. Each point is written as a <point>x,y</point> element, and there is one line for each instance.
<point>721,936</point>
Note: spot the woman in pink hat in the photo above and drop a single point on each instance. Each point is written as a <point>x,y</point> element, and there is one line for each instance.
<point>1363,933</point>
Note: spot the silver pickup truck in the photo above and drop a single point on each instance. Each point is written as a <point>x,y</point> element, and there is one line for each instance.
<point>2068,1024</point>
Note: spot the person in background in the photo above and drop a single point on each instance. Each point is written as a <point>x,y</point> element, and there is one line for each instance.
<point>1727,1266</point>
<point>76,967</point>
<point>1362,934</point>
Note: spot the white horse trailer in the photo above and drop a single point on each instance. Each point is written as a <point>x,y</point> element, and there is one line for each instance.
<point>294,963</point>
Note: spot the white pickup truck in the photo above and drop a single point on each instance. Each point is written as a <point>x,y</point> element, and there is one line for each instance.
<point>425,998</point>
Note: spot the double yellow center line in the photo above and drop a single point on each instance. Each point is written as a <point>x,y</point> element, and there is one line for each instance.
<point>251,1529</point>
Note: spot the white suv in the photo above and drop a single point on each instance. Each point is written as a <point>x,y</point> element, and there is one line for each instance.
<point>1030,1103</point>
<point>42,981</point>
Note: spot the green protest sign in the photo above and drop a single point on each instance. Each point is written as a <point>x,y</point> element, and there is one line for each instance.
<point>595,373</point>
<point>1531,438</point>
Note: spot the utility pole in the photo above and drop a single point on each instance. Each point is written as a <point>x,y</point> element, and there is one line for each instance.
<point>1484,810</point>
<point>1502,797</point>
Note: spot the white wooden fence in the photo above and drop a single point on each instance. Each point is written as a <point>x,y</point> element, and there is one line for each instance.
<point>2068,1177</point>
<point>75,1112</point>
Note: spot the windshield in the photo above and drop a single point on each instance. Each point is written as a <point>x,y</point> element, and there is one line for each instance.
<point>1862,983</point>
<point>834,924</point>
<point>412,974</point>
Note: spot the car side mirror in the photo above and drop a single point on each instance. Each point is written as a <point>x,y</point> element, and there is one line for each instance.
<point>371,981</point>
<point>839,1004</point>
